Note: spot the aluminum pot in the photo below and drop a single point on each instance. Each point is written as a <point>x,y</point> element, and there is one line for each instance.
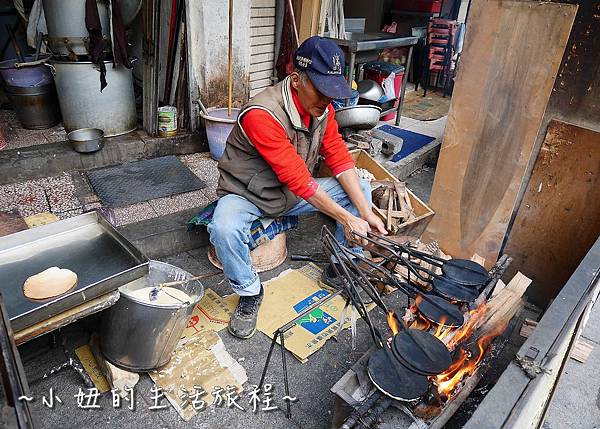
<point>86,140</point>
<point>84,106</point>
<point>140,335</point>
<point>36,107</point>
<point>358,117</point>
<point>370,90</point>
<point>65,20</point>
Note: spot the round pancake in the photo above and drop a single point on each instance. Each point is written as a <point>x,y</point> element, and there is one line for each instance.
<point>49,283</point>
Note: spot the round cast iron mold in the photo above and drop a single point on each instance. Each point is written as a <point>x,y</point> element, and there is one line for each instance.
<point>465,272</point>
<point>411,352</point>
<point>450,314</point>
<point>452,291</point>
<point>397,382</point>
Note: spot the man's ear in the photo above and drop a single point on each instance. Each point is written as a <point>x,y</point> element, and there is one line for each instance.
<point>295,80</point>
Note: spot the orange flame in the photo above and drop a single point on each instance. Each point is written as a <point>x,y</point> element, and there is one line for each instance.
<point>421,323</point>
<point>464,365</point>
<point>391,319</point>
<point>438,331</point>
<point>469,327</point>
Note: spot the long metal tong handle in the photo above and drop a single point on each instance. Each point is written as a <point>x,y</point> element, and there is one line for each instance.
<point>405,262</point>
<point>342,271</point>
<point>432,259</point>
<point>370,289</point>
<point>408,289</point>
<point>415,339</point>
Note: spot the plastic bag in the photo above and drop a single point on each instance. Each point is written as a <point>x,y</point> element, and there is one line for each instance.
<point>389,87</point>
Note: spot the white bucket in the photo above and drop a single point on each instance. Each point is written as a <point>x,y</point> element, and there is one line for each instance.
<point>218,126</point>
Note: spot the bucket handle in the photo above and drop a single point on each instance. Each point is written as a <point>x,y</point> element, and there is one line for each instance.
<point>32,63</point>
<point>52,69</point>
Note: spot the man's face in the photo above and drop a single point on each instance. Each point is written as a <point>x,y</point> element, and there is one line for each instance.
<point>311,100</point>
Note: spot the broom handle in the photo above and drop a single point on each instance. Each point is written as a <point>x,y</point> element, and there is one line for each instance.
<point>230,61</point>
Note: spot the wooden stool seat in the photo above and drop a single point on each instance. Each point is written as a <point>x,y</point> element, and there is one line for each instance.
<point>265,257</point>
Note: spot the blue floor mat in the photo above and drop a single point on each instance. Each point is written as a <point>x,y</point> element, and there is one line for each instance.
<point>412,141</point>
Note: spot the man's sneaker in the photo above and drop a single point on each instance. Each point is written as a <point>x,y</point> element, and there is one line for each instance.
<point>330,278</point>
<point>243,321</point>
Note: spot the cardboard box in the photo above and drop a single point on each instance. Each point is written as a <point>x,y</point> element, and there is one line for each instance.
<point>423,212</point>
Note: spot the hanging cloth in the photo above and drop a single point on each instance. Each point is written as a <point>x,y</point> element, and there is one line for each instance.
<point>97,42</point>
<point>289,44</point>
<point>332,19</point>
<point>118,36</point>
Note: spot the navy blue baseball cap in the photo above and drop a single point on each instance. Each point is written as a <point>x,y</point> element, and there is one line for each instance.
<point>323,62</point>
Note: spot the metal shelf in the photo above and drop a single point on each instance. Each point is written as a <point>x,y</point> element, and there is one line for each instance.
<point>411,13</point>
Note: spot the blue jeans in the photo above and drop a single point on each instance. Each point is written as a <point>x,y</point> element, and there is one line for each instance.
<point>230,230</point>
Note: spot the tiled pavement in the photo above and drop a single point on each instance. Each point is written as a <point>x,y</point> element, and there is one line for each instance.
<point>57,195</point>
<point>17,137</point>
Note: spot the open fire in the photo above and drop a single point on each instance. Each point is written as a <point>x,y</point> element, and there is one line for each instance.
<point>467,343</point>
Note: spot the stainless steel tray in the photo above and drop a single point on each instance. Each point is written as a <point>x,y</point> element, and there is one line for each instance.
<point>87,244</point>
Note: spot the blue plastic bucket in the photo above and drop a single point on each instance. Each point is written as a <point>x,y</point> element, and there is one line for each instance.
<point>25,76</point>
<point>218,126</point>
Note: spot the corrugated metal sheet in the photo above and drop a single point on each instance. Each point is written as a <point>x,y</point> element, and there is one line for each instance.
<point>262,44</point>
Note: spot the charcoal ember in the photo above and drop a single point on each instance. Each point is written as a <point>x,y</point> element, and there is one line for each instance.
<point>427,411</point>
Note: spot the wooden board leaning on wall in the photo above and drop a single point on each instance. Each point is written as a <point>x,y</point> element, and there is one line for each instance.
<point>559,218</point>
<point>509,63</point>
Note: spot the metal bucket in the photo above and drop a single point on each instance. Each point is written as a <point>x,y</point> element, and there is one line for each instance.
<point>84,106</point>
<point>139,335</point>
<point>65,20</point>
<point>36,107</point>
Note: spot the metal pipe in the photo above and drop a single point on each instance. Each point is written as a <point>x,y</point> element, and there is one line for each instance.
<point>288,412</point>
<point>404,82</point>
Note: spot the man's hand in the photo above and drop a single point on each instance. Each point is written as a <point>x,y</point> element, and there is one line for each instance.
<point>354,224</point>
<point>363,226</point>
<point>376,223</point>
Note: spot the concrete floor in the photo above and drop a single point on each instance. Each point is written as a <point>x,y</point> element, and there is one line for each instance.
<point>421,181</point>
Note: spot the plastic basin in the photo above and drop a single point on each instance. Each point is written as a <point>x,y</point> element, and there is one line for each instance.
<point>26,76</point>
<point>218,126</point>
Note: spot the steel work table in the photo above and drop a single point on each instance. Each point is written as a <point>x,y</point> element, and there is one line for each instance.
<point>358,44</point>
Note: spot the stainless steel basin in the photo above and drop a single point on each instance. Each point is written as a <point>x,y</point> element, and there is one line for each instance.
<point>86,140</point>
<point>362,117</point>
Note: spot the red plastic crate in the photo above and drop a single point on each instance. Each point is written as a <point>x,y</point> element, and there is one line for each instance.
<point>433,6</point>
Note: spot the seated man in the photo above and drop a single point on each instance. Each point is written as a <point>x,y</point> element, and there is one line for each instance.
<point>266,169</point>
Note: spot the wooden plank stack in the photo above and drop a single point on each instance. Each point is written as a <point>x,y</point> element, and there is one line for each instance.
<point>392,204</point>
